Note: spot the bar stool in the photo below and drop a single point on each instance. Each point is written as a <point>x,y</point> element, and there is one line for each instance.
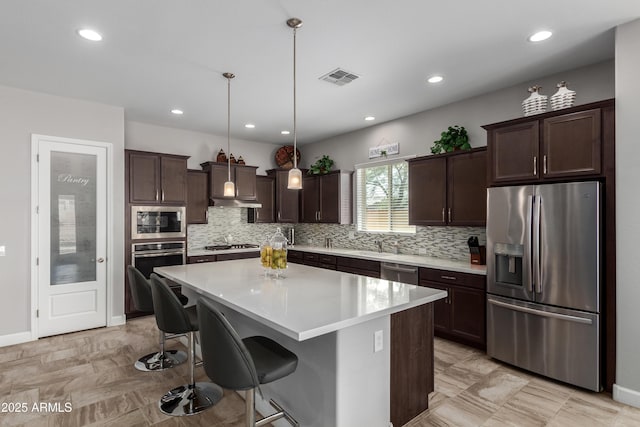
<point>173,318</point>
<point>142,301</point>
<point>242,364</point>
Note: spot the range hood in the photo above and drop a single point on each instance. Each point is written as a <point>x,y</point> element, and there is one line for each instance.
<point>234,203</point>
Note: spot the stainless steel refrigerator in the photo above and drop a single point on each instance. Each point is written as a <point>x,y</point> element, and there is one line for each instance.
<point>543,279</point>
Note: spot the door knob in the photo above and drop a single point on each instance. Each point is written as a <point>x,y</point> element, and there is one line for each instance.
<point>100,260</point>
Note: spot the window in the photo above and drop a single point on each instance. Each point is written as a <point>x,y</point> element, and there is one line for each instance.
<point>382,197</point>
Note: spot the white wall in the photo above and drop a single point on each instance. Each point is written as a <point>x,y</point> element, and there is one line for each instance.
<point>416,133</point>
<point>627,387</point>
<point>202,147</point>
<point>25,113</point>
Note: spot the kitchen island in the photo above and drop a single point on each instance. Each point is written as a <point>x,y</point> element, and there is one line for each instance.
<point>365,345</point>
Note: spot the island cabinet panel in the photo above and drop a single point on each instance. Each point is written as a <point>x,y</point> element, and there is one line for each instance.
<point>243,176</point>
<point>327,198</point>
<point>156,178</point>
<point>412,362</point>
<point>556,146</point>
<point>265,195</point>
<point>197,197</point>
<point>287,202</point>
<point>449,189</point>
<point>460,317</point>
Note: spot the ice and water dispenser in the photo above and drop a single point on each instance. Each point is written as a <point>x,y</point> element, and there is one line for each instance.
<point>508,263</point>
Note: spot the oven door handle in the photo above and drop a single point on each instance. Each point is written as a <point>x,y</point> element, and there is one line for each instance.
<point>158,254</point>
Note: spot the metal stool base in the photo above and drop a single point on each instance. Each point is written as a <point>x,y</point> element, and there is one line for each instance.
<point>160,361</point>
<point>185,400</point>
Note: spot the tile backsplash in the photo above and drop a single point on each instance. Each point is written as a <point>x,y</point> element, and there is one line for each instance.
<point>438,242</point>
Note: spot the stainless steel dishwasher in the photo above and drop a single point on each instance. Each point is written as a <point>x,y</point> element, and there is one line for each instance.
<point>399,272</point>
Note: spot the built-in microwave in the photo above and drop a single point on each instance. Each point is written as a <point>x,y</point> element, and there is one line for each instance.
<point>158,222</point>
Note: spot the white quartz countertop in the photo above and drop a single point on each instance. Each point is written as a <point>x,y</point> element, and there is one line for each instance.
<point>415,260</point>
<point>307,302</point>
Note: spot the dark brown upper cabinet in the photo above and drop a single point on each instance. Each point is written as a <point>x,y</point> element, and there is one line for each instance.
<point>555,146</point>
<point>156,178</point>
<point>448,189</point>
<point>266,194</point>
<point>197,197</point>
<point>244,178</point>
<point>327,198</point>
<point>287,202</point>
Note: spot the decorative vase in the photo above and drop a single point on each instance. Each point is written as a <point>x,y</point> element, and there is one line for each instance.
<point>221,157</point>
<point>563,98</point>
<point>232,159</point>
<point>535,103</point>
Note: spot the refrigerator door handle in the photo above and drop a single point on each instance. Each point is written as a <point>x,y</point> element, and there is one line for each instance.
<point>528,243</point>
<point>541,313</point>
<point>537,247</point>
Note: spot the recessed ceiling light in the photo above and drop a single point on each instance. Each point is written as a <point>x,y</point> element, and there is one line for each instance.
<point>285,132</point>
<point>177,112</point>
<point>369,118</point>
<point>435,79</point>
<point>250,126</point>
<point>88,34</point>
<point>540,36</point>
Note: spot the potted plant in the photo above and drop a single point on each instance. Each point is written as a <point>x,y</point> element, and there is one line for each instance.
<point>454,138</point>
<point>322,166</point>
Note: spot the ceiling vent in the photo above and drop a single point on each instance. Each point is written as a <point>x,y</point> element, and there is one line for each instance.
<point>339,77</point>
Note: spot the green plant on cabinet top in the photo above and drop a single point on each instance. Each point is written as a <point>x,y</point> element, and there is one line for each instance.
<point>454,138</point>
<point>322,166</point>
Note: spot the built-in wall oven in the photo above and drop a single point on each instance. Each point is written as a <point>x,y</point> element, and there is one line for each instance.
<point>158,222</point>
<point>146,256</point>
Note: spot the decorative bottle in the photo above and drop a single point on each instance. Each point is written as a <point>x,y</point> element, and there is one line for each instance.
<point>278,252</point>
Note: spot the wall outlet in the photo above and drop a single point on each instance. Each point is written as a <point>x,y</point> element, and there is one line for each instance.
<point>352,235</point>
<point>422,251</point>
<point>2,251</point>
<point>378,343</point>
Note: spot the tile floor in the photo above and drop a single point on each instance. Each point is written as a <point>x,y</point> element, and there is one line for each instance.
<point>93,372</point>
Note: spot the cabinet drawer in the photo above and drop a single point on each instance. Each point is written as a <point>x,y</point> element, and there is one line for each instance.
<point>359,271</point>
<point>453,277</point>
<point>241,255</point>
<point>310,257</point>
<point>201,258</point>
<point>327,259</point>
<point>293,256</point>
<point>327,266</point>
<point>360,264</point>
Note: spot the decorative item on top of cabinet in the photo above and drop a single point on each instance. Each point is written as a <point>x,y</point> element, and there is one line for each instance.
<point>448,189</point>
<point>460,317</point>
<point>284,157</point>
<point>265,195</point>
<point>563,98</point>
<point>322,166</point>
<point>156,178</point>
<point>560,145</point>
<point>327,198</point>
<point>197,197</point>
<point>221,157</point>
<point>536,103</point>
<point>244,177</point>
<point>454,138</point>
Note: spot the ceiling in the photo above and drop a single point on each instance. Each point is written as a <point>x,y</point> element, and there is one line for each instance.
<point>162,54</point>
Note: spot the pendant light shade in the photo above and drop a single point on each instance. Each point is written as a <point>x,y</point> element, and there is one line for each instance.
<point>229,186</point>
<point>294,181</point>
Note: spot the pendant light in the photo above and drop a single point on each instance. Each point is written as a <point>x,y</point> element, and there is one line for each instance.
<point>229,186</point>
<point>295,175</point>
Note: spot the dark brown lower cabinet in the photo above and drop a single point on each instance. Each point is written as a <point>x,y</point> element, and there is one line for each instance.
<point>221,257</point>
<point>460,317</point>
<point>411,362</point>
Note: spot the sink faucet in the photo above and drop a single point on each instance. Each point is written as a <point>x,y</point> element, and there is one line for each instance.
<point>378,243</point>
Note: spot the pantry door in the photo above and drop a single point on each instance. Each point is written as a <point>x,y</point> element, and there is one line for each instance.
<point>72,235</point>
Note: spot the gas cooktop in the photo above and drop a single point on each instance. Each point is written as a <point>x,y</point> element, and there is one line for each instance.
<point>233,246</point>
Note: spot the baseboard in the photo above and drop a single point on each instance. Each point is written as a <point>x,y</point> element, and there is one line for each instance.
<point>626,396</point>
<point>11,339</point>
<point>117,320</point>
